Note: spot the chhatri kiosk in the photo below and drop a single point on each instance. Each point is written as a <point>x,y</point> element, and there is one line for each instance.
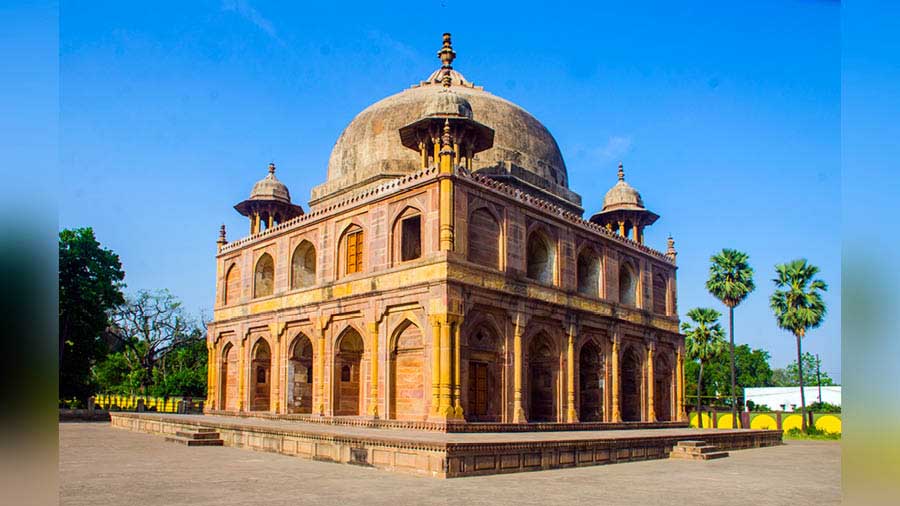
<point>443,280</point>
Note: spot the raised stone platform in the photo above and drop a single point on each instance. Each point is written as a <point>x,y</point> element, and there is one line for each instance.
<point>442,454</point>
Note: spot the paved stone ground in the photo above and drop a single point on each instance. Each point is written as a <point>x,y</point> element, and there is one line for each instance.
<point>102,465</point>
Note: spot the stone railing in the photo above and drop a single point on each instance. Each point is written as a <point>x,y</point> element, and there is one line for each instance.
<point>362,197</point>
<point>556,210</point>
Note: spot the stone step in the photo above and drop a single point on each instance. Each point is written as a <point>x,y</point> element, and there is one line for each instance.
<point>695,450</point>
<point>194,442</point>
<point>698,456</point>
<point>691,443</point>
<point>205,434</point>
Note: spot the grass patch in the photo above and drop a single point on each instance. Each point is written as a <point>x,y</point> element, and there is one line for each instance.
<point>812,434</point>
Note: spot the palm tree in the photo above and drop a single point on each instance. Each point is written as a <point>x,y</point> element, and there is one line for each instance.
<point>730,281</point>
<point>798,307</point>
<point>704,342</point>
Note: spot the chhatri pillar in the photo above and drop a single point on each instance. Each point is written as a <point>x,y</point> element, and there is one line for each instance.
<point>623,208</point>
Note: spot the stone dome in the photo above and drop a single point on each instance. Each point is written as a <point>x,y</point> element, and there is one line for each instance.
<point>622,195</point>
<point>524,153</point>
<point>270,188</point>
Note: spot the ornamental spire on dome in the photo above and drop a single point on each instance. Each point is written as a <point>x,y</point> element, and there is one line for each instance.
<point>446,54</point>
<point>621,172</point>
<point>272,168</point>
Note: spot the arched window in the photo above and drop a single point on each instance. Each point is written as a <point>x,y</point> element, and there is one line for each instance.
<point>347,385</point>
<point>262,363</point>
<point>264,277</point>
<point>353,247</point>
<point>484,239</point>
<point>588,273</point>
<point>407,373</point>
<point>407,236</point>
<point>541,258</point>
<point>627,285</point>
<point>303,266</point>
<point>232,285</point>
<point>659,294</point>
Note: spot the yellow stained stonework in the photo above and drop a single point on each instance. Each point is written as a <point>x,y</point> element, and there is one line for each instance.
<point>445,272</point>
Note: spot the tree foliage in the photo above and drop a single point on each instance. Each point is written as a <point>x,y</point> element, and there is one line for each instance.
<point>730,281</point>
<point>789,376</point>
<point>161,351</point>
<point>730,277</point>
<point>704,341</point>
<point>90,286</point>
<point>752,369</point>
<point>798,306</point>
<point>147,328</point>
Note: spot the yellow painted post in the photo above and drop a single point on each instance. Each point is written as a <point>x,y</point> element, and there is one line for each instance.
<point>571,413</point>
<point>446,371</point>
<point>373,395</point>
<point>321,373</point>
<point>651,398</point>
<point>457,393</point>
<point>616,414</point>
<point>435,365</point>
<point>241,375</point>
<point>446,198</point>
<point>518,412</point>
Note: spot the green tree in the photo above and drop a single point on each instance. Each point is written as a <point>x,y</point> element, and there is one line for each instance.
<point>798,307</point>
<point>751,369</point>
<point>182,372</point>
<point>148,326</point>
<point>704,340</point>
<point>781,378</point>
<point>730,281</point>
<point>787,377</point>
<point>90,286</point>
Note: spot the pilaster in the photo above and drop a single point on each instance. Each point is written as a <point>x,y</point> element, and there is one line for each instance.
<point>651,384</point>
<point>372,327</point>
<point>571,412</point>
<point>518,412</point>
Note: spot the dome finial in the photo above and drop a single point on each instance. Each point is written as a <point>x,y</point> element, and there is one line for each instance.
<point>621,172</point>
<point>446,54</point>
<point>272,168</point>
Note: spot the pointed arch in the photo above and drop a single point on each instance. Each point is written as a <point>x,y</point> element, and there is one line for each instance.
<point>659,294</point>
<point>588,272</point>
<point>406,235</point>
<point>484,378</point>
<point>264,276</point>
<point>632,384</point>
<point>663,384</point>
<point>407,373</point>
<point>232,284</point>
<point>303,265</point>
<point>484,238</point>
<point>300,381</point>
<point>228,378</point>
<point>348,380</point>
<point>260,374</point>
<point>351,250</point>
<point>628,284</point>
<point>543,378</point>
<point>541,257</point>
<point>591,384</point>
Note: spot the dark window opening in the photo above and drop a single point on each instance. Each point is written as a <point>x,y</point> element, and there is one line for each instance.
<point>411,238</point>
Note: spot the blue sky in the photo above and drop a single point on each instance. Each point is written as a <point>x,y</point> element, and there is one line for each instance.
<point>727,118</point>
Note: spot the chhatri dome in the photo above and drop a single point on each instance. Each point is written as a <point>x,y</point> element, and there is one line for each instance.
<point>623,210</point>
<point>269,203</point>
<point>524,153</point>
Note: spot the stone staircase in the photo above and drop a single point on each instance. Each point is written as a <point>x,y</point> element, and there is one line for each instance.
<point>696,450</point>
<point>199,437</point>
